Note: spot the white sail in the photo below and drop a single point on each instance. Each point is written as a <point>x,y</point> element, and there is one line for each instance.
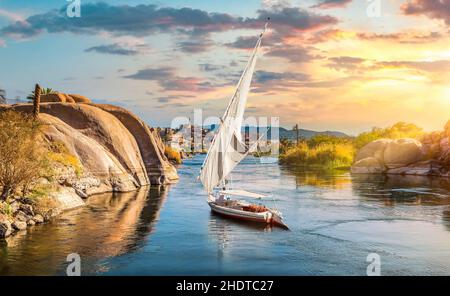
<point>227,149</point>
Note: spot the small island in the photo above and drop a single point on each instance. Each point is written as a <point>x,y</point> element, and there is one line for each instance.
<point>402,149</point>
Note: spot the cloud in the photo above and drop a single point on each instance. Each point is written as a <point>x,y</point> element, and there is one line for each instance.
<point>168,80</point>
<point>249,42</point>
<point>119,49</point>
<point>270,4</point>
<point>195,46</point>
<point>265,81</point>
<point>356,64</point>
<point>325,4</point>
<point>207,67</point>
<point>140,20</point>
<point>20,30</point>
<point>243,42</point>
<point>266,76</point>
<point>428,66</point>
<point>288,21</point>
<point>144,20</point>
<point>152,74</point>
<point>11,15</point>
<point>349,64</point>
<point>436,9</point>
<point>169,99</point>
<point>294,54</point>
<point>337,82</point>
<point>327,35</point>
<point>408,38</point>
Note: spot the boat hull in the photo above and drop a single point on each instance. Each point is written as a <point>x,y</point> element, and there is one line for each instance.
<point>266,217</point>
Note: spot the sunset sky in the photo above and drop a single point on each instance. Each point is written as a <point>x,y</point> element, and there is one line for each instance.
<point>325,64</point>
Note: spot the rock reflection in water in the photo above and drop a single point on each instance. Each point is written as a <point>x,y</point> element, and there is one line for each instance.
<point>395,189</point>
<point>109,225</point>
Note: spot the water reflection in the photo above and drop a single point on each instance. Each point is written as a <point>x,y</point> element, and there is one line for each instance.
<point>226,232</point>
<point>395,189</point>
<point>109,225</point>
<point>336,179</point>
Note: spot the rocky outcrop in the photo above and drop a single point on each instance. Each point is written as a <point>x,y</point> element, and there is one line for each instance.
<point>5,226</point>
<point>384,154</point>
<point>402,152</point>
<point>374,149</point>
<point>56,98</point>
<point>115,150</point>
<point>428,157</point>
<point>80,99</point>
<point>22,216</point>
<point>158,168</point>
<point>64,98</point>
<point>368,165</point>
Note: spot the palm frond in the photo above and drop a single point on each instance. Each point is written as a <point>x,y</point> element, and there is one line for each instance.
<point>44,91</point>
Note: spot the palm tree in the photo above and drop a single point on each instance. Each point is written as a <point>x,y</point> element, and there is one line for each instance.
<point>44,91</point>
<point>36,100</point>
<point>2,96</point>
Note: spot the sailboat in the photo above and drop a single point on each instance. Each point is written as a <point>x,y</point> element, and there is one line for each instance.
<point>226,151</point>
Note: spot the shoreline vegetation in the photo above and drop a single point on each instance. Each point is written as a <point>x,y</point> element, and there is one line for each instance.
<point>26,171</point>
<point>328,152</point>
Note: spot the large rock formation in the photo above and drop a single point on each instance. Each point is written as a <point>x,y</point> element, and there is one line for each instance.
<point>116,150</point>
<point>430,156</point>
<point>368,165</point>
<point>402,152</point>
<point>373,149</point>
<point>158,168</point>
<point>64,98</point>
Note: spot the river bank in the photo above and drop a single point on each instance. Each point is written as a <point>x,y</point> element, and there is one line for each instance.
<point>57,152</point>
<point>336,220</point>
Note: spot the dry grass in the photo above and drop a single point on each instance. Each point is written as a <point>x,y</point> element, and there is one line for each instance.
<point>21,152</point>
<point>324,155</point>
<point>173,155</point>
<point>60,154</point>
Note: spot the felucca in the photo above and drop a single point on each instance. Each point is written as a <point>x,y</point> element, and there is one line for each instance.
<point>226,151</point>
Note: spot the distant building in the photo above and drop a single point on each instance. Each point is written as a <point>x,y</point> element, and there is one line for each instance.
<point>193,138</point>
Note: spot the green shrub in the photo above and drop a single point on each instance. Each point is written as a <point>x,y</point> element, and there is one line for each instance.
<point>324,151</point>
<point>398,130</point>
<point>21,153</point>
<point>323,155</point>
<point>327,139</point>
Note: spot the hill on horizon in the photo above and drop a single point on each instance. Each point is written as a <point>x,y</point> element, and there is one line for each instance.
<point>289,134</point>
<point>307,134</point>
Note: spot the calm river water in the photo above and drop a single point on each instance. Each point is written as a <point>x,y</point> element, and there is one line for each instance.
<point>336,220</point>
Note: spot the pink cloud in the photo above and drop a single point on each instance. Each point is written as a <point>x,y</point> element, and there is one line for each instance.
<point>436,9</point>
